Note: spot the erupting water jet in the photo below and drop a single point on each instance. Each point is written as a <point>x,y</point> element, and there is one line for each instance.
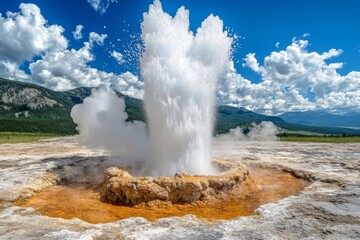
<point>180,71</point>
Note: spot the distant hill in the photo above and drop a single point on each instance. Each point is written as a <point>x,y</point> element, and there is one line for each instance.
<point>26,107</point>
<point>321,118</point>
<point>230,117</point>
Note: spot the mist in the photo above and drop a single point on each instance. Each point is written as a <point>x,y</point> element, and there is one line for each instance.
<point>264,132</point>
<point>101,122</point>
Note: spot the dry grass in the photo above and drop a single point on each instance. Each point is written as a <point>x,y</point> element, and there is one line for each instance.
<point>23,137</point>
<point>321,139</point>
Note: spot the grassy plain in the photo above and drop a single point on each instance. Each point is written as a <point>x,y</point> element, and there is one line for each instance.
<point>23,137</point>
<point>321,139</point>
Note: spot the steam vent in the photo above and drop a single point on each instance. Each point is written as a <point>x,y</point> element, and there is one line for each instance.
<point>121,188</point>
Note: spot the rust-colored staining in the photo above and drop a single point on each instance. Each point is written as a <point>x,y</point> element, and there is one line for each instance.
<point>261,187</point>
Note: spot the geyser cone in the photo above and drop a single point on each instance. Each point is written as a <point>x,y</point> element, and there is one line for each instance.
<point>181,71</point>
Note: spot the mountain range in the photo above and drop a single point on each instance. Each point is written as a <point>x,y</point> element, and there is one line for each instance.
<point>26,107</point>
<point>322,118</point>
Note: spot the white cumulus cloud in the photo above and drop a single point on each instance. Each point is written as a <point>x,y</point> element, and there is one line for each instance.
<point>77,34</point>
<point>293,80</point>
<point>251,62</point>
<point>10,70</point>
<point>101,5</point>
<point>118,57</point>
<point>69,69</point>
<point>26,34</point>
<point>97,38</point>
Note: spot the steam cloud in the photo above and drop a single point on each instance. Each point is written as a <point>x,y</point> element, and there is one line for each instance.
<point>101,121</point>
<point>264,131</point>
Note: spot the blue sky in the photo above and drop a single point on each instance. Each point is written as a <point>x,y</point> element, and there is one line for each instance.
<point>264,27</point>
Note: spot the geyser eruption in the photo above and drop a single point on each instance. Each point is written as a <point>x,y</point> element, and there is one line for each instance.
<point>181,71</point>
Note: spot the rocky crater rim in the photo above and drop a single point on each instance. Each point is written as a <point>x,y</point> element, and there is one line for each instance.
<point>121,188</point>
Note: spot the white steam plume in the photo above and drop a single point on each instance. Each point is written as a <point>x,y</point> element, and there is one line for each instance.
<point>264,131</point>
<point>101,121</point>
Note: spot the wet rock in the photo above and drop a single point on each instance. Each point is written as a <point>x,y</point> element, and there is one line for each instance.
<point>121,188</point>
